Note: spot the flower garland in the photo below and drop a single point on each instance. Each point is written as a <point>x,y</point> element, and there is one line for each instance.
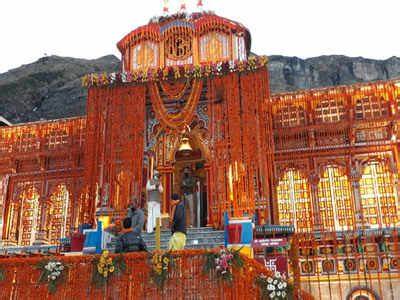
<point>52,273</point>
<point>175,72</point>
<point>105,267</point>
<point>161,265</point>
<point>223,262</point>
<point>274,287</point>
<point>174,90</point>
<point>182,118</point>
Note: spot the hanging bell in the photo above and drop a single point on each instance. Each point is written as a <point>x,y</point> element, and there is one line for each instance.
<point>185,147</point>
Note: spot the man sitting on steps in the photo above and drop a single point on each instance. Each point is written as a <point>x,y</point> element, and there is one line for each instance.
<point>129,241</point>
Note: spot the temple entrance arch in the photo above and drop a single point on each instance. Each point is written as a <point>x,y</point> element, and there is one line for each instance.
<point>165,157</point>
<point>191,177</point>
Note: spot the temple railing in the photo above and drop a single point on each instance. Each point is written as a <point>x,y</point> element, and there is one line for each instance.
<point>43,137</point>
<point>186,280</point>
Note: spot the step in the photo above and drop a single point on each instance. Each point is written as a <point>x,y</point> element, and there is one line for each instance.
<point>189,236</point>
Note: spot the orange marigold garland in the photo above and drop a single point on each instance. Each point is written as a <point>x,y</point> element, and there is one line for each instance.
<point>174,90</point>
<point>176,72</point>
<point>182,118</point>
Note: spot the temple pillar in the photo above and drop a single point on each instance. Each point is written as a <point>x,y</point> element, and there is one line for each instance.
<point>355,176</point>
<point>207,167</point>
<point>166,177</point>
<point>41,235</point>
<point>313,179</point>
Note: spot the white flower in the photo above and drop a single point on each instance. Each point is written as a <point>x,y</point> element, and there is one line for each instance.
<point>280,286</point>
<point>272,295</point>
<point>269,280</point>
<point>284,285</point>
<point>278,274</point>
<point>278,293</point>
<point>283,294</point>
<point>53,277</point>
<point>48,268</point>
<point>275,282</point>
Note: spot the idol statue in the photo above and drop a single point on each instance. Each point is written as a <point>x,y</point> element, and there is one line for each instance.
<point>154,191</point>
<point>188,188</point>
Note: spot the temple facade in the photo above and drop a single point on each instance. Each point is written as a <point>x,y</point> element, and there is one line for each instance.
<point>325,160</point>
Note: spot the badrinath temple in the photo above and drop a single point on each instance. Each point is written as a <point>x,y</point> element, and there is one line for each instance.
<point>191,94</point>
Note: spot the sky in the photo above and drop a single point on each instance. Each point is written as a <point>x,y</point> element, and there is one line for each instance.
<point>29,29</point>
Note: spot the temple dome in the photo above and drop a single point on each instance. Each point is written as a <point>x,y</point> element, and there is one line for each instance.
<point>183,39</point>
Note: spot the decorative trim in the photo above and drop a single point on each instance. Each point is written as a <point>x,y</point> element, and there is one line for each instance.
<point>175,72</point>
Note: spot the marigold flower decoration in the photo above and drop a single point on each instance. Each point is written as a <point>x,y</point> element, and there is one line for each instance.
<point>161,264</point>
<point>53,272</point>
<point>105,267</point>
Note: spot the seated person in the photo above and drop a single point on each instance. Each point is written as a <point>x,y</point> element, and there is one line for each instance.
<point>137,216</point>
<point>129,240</point>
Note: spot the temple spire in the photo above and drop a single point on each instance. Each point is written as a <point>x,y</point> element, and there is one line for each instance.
<point>166,7</point>
<point>183,6</point>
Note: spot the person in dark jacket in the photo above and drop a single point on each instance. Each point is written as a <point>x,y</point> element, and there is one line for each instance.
<point>129,241</point>
<point>178,226</point>
<point>137,216</point>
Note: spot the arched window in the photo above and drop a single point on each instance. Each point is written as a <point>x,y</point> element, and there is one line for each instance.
<point>58,214</point>
<point>294,201</point>
<point>378,196</point>
<point>371,108</point>
<point>334,200</point>
<point>329,111</point>
<point>290,116</point>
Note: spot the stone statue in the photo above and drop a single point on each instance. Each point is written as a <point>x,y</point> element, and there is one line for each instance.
<point>154,190</point>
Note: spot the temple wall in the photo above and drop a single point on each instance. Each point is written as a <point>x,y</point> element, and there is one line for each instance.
<point>41,171</point>
<point>330,289</point>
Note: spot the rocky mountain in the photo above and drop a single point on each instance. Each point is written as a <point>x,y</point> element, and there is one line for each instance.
<point>50,88</point>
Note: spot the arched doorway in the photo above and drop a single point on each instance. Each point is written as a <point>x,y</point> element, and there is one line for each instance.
<point>190,179</point>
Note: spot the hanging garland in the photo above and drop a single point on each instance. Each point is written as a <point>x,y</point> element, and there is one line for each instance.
<point>176,72</point>
<point>174,90</point>
<point>53,273</point>
<point>182,118</point>
<point>161,265</point>
<point>223,262</point>
<point>105,267</point>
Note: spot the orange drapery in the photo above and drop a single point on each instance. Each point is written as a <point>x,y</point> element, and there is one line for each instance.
<point>22,277</point>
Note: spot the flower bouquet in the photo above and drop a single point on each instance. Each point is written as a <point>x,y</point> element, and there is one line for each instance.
<point>223,262</point>
<point>52,273</point>
<point>105,266</point>
<point>274,287</point>
<point>161,265</point>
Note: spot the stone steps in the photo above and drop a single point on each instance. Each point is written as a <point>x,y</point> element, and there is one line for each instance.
<point>196,238</point>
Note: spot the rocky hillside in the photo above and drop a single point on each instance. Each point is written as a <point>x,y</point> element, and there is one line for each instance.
<point>50,88</point>
<point>292,73</point>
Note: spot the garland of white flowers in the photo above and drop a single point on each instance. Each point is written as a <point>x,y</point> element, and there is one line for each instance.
<point>274,287</point>
<point>52,273</point>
